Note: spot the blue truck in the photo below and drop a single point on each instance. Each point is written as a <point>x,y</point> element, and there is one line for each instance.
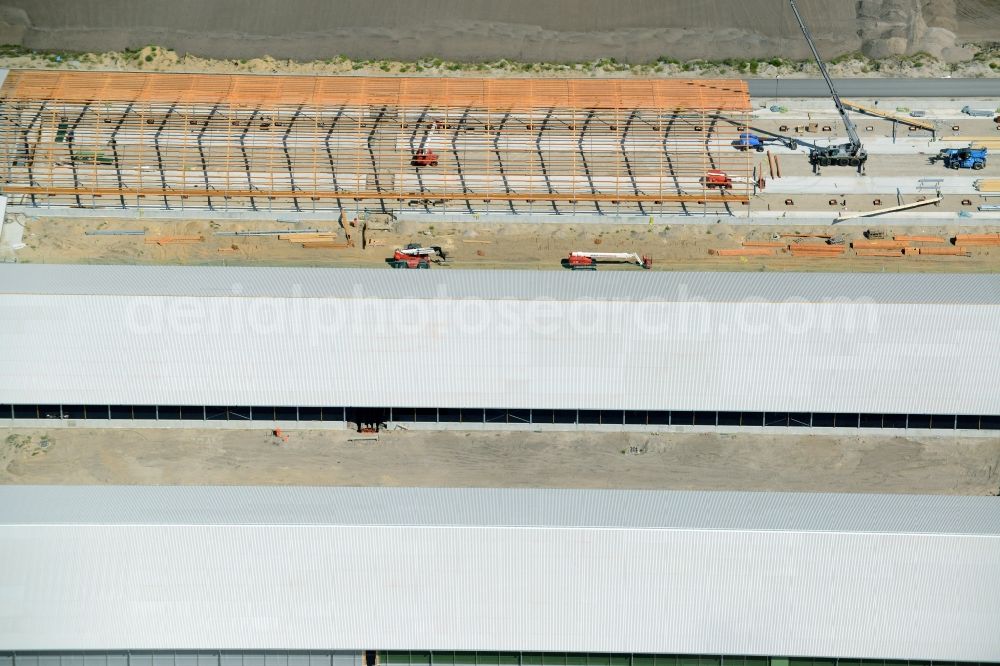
<point>748,141</point>
<point>963,158</point>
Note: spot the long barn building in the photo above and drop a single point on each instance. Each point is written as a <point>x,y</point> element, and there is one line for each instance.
<point>229,576</point>
<point>539,349</point>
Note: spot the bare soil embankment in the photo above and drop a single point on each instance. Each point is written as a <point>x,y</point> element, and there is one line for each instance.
<point>478,30</point>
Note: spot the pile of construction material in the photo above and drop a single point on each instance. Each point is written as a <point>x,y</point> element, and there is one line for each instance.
<point>971,240</point>
<point>319,239</point>
<point>901,245</point>
<point>815,246</point>
<point>875,245</point>
<point>801,245</point>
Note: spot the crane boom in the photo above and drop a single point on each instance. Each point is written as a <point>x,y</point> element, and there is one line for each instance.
<point>630,257</point>
<point>852,131</point>
<point>589,259</point>
<point>415,250</point>
<point>848,154</point>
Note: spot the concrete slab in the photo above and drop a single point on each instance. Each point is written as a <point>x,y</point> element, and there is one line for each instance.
<point>835,185</point>
<point>11,231</point>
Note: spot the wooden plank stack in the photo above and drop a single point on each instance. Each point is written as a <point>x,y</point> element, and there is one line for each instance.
<point>879,245</point>
<point>815,250</point>
<point>320,239</point>
<point>967,240</point>
<point>900,245</point>
<point>941,251</point>
<point>876,252</point>
<point>906,245</point>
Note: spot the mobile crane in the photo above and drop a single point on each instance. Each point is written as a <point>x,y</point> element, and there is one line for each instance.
<point>587,261</point>
<point>846,154</point>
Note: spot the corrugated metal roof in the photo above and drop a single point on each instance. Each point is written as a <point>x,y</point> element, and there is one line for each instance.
<point>84,582</point>
<point>355,283</point>
<point>654,355</point>
<point>710,344</point>
<point>495,507</point>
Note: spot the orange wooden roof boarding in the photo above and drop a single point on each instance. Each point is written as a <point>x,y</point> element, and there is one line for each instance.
<point>273,91</point>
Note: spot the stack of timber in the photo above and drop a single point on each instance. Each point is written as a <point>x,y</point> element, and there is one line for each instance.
<point>815,250</point>
<point>879,245</point>
<point>966,240</point>
<point>905,245</point>
<point>318,239</point>
<point>875,252</point>
<point>939,251</point>
<point>912,250</point>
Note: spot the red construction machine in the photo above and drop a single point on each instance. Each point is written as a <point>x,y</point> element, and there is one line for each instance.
<point>587,261</point>
<point>415,256</point>
<point>716,179</point>
<point>424,157</point>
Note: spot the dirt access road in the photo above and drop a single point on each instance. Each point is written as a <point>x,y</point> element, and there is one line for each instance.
<point>477,245</point>
<point>928,465</point>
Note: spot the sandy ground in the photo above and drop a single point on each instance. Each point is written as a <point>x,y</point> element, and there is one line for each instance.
<point>740,65</point>
<point>472,245</point>
<point>932,465</point>
<point>473,30</point>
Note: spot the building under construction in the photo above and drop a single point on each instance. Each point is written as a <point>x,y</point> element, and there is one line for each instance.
<point>305,143</point>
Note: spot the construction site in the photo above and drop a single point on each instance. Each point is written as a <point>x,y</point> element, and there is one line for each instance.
<point>500,173</point>
<point>484,370</point>
<point>320,144</point>
<point>149,172</point>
